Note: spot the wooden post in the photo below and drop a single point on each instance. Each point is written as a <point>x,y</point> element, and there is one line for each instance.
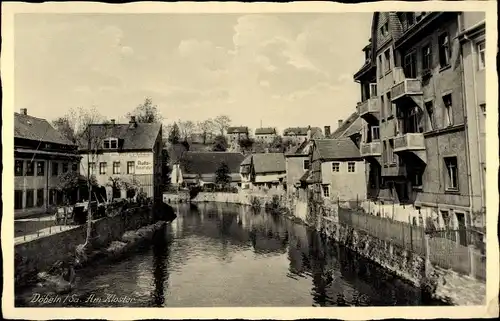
<point>427,255</point>
<point>472,271</point>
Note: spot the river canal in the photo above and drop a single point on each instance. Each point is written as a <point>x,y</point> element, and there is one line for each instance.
<point>225,255</point>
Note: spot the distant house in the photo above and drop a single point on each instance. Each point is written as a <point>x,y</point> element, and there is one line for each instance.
<point>297,135</point>
<point>199,168</point>
<point>263,170</point>
<point>130,152</point>
<point>265,134</point>
<point>337,169</point>
<point>41,153</point>
<point>297,166</point>
<point>234,134</point>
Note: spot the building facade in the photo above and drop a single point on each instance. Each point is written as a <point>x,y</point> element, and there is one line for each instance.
<point>263,170</point>
<point>265,135</point>
<point>297,135</point>
<point>41,154</point>
<point>473,44</point>
<point>415,136</point>
<point>121,155</point>
<point>297,165</point>
<point>337,170</point>
<point>200,168</point>
<point>234,134</point>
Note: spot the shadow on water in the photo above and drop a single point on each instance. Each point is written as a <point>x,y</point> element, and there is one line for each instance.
<point>161,251</point>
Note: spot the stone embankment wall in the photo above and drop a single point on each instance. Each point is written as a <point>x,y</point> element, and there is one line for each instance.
<point>450,286</point>
<point>177,197</point>
<point>41,253</point>
<point>243,198</point>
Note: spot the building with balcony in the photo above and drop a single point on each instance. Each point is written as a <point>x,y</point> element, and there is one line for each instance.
<point>122,155</point>
<point>41,154</point>
<point>415,134</point>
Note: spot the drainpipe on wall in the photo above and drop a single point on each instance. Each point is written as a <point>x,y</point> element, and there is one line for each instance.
<point>478,133</point>
<point>466,118</point>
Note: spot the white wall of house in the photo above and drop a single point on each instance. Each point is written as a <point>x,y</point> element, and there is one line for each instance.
<point>346,179</point>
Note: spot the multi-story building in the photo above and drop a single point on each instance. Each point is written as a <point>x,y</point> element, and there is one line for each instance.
<point>416,136</point>
<point>234,134</point>
<point>41,154</point>
<point>473,44</point>
<point>265,135</point>
<point>130,153</point>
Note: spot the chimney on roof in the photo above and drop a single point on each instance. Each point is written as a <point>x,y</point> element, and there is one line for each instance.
<point>132,122</point>
<point>327,131</point>
<point>113,122</point>
<point>24,111</point>
<point>309,132</point>
<point>340,122</point>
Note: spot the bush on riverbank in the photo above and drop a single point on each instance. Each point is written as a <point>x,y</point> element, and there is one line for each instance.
<point>255,203</point>
<point>275,207</point>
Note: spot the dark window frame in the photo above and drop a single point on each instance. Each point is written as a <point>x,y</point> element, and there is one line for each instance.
<point>444,49</point>
<point>18,199</point>
<point>19,170</point>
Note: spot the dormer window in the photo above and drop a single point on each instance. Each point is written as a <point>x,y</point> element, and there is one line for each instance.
<point>110,143</point>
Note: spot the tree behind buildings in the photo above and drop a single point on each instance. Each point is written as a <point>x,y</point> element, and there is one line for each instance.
<point>146,112</point>
<point>220,144</point>
<point>222,176</point>
<point>222,123</point>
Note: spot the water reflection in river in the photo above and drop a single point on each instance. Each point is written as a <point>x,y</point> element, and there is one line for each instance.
<point>226,255</point>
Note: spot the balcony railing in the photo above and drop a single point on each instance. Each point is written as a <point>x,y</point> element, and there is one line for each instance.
<point>409,142</point>
<point>404,86</point>
<point>370,149</point>
<point>368,106</point>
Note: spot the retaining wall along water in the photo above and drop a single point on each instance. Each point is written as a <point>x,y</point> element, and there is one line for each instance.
<point>41,253</point>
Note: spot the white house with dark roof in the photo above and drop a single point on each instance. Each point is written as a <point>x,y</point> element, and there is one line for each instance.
<point>337,170</point>
<point>131,152</point>
<point>199,168</point>
<point>263,170</point>
<point>265,134</point>
<point>41,153</point>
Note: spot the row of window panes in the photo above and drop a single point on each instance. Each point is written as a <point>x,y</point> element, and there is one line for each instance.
<point>351,167</point>
<point>410,58</point>
<point>30,198</point>
<point>110,143</point>
<point>40,168</point>
<point>116,167</point>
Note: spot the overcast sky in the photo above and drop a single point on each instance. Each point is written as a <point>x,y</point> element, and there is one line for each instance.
<point>281,69</point>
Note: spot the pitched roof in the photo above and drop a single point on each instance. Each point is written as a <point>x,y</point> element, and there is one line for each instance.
<point>142,136</point>
<point>339,132</point>
<point>265,131</point>
<point>175,152</point>
<point>355,128</point>
<point>247,160</point>
<point>33,128</point>
<point>299,150</point>
<point>208,162</point>
<point>237,130</point>
<point>269,162</point>
<point>332,149</point>
<point>301,131</point>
